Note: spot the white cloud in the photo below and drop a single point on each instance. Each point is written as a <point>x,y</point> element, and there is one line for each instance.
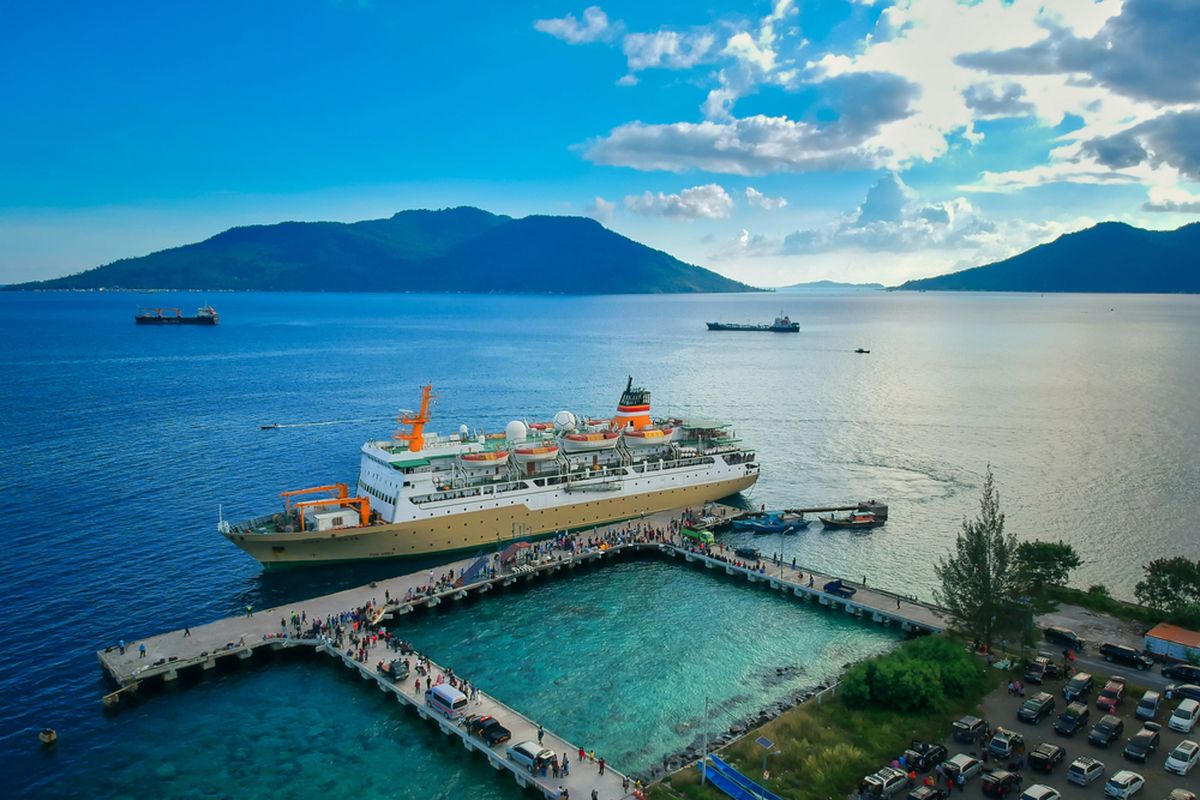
<point>669,49</point>
<point>627,80</point>
<point>600,209</point>
<point>709,201</point>
<point>594,28</point>
<point>759,200</point>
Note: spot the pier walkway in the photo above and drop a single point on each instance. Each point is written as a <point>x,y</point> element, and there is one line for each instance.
<point>238,637</point>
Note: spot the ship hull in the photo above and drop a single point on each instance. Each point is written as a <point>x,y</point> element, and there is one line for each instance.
<point>471,531</point>
<point>175,320</point>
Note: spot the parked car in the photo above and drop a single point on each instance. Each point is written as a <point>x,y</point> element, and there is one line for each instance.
<point>1181,794</point>
<point>1046,756</point>
<point>1184,717</point>
<point>488,728</point>
<point>968,729</point>
<point>1001,783</point>
<point>1110,696</point>
<point>1124,784</point>
<point>1143,743</point>
<point>927,793</point>
<point>1183,757</point>
<point>1036,707</point>
<point>887,782</point>
<point>1124,654</point>
<point>1079,687</point>
<point>1106,731</point>
<point>1188,691</point>
<point>1006,743</point>
<point>924,756</point>
<point>528,754</point>
<point>1084,770</point>
<point>962,764</point>
<point>1040,791</point>
<point>1066,636</point>
<point>1041,668</point>
<point>1072,720</point>
<point>1189,673</point>
<point>1147,707</point>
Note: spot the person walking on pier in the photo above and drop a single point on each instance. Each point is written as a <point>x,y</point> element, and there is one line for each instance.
<point>142,650</point>
<point>566,765</point>
<point>541,733</point>
<point>601,765</point>
<point>187,632</point>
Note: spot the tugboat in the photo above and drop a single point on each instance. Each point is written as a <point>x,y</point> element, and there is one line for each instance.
<point>782,324</point>
<point>205,315</point>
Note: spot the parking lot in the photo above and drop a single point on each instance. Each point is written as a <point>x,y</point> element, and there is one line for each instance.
<point>1000,709</point>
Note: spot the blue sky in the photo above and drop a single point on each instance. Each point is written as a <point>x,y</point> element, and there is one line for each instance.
<point>773,142</point>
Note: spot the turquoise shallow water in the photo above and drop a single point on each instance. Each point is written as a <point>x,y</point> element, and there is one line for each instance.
<point>618,659</point>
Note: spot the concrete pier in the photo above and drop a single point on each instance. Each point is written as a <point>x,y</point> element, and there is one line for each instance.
<point>238,637</point>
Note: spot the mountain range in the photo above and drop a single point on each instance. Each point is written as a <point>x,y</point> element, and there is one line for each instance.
<point>831,286</point>
<point>450,250</point>
<point>1108,257</point>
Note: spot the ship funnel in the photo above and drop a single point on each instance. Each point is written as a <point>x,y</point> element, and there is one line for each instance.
<point>634,408</point>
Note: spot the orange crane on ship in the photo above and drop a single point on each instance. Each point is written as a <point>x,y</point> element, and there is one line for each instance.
<point>415,436</point>
<point>342,499</point>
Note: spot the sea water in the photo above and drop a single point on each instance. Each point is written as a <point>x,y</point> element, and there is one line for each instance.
<point>120,442</point>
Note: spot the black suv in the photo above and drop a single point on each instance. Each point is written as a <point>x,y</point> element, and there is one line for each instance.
<point>1000,782</point>
<point>488,728</point>
<point>927,793</point>
<point>1188,673</point>
<point>1036,707</point>
<point>968,729</point>
<point>1063,635</point>
<point>1041,668</point>
<point>924,756</point>
<point>1124,654</point>
<point>1079,687</point>
<point>1143,743</point>
<point>1106,730</point>
<point>1073,719</point>
<point>1046,756</point>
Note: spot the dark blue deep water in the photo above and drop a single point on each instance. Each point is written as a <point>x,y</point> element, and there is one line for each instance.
<point>119,443</point>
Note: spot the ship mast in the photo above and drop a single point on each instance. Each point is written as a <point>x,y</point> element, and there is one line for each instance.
<point>415,436</point>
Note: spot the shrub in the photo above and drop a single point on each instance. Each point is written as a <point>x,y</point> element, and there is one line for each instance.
<point>925,673</point>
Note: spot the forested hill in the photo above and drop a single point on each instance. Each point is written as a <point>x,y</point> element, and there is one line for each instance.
<point>450,250</point>
<point>1109,257</point>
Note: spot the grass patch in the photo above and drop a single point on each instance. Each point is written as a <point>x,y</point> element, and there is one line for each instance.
<point>828,747</point>
<point>1098,599</point>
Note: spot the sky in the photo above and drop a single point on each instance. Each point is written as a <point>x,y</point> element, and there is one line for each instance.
<point>774,142</point>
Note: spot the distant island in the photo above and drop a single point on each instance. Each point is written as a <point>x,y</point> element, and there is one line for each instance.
<point>450,250</point>
<point>831,286</point>
<point>1108,257</point>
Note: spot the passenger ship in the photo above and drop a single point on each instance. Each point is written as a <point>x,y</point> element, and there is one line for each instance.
<point>420,493</point>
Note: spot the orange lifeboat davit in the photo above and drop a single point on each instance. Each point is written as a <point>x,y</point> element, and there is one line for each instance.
<point>649,437</point>
<point>486,458</point>
<point>589,442</point>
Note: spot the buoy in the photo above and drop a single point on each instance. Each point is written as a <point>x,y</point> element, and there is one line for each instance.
<point>47,737</point>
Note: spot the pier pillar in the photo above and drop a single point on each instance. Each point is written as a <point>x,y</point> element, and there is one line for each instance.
<point>709,565</point>
<point>245,653</point>
<point>906,626</point>
<point>688,558</point>
<point>496,764</point>
<point>729,570</point>
<point>432,602</point>
<point>824,600</point>
<point>509,581</point>
<point>877,617</point>
<point>277,645</point>
<point>521,780</point>
<point>570,565</point>
<point>467,745</point>
<point>209,663</point>
<point>170,675</point>
<point>487,587</point>
<point>422,713</point>
<point>460,595</point>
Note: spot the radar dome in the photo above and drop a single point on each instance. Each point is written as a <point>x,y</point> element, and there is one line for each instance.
<point>463,430</point>
<point>516,431</point>
<point>565,421</point>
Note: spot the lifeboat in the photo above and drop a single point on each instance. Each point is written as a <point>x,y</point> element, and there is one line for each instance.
<point>542,426</point>
<point>599,423</point>
<point>531,454</point>
<point>589,442</point>
<point>487,458</point>
<point>648,437</point>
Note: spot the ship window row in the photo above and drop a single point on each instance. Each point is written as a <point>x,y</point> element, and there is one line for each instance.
<point>373,492</point>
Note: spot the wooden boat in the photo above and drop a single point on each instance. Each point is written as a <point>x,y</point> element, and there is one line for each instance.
<point>859,520</point>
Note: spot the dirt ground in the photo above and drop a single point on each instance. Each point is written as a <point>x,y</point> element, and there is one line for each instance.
<point>1094,626</point>
<point>1000,708</point>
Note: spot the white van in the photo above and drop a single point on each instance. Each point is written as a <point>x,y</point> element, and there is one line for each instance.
<point>447,701</point>
<point>1184,718</point>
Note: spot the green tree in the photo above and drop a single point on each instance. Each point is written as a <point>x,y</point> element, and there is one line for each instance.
<point>1040,563</point>
<point>979,580</point>
<point>1171,585</point>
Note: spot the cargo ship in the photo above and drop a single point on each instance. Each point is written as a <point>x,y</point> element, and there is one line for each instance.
<point>205,315</point>
<point>422,493</point>
<point>782,324</point>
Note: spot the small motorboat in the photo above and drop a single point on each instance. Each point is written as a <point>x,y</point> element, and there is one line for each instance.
<point>859,520</point>
<point>47,736</point>
<point>861,351</point>
<point>274,426</point>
